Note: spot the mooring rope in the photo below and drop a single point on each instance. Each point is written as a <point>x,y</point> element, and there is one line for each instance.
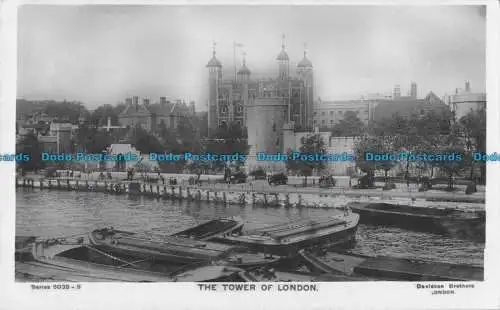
<point>109,255</point>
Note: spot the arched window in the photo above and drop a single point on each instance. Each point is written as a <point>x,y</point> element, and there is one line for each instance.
<point>224,109</point>
<point>239,109</point>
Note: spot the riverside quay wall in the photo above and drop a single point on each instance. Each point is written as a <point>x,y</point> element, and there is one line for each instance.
<point>285,196</point>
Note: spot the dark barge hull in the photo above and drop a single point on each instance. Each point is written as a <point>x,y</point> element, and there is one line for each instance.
<point>344,238</point>
<point>414,270</point>
<point>181,251</point>
<point>392,269</point>
<point>438,221</point>
<point>164,249</point>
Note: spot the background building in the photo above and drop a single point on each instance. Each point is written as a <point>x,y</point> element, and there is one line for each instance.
<point>328,113</point>
<point>151,115</point>
<point>408,106</point>
<point>465,101</point>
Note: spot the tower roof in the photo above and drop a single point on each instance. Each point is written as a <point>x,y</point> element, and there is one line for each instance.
<point>244,70</point>
<point>305,63</point>
<point>214,62</point>
<point>283,55</point>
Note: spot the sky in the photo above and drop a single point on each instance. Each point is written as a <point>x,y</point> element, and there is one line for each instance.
<point>103,54</point>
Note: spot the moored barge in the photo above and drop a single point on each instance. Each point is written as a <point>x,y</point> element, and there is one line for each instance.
<point>390,268</point>
<point>445,221</point>
<point>175,250</point>
<point>75,261</point>
<point>288,238</point>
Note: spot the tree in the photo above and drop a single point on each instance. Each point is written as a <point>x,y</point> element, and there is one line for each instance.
<point>452,143</point>
<point>100,115</point>
<point>188,136</point>
<point>474,128</point>
<point>230,139</point>
<point>311,146</point>
<point>375,145</point>
<point>29,145</point>
<point>91,140</point>
<point>349,126</point>
<point>65,111</point>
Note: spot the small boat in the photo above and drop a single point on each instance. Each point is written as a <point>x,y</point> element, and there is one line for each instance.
<point>175,250</point>
<point>76,261</point>
<point>447,221</point>
<point>390,268</point>
<point>287,239</point>
<point>213,228</point>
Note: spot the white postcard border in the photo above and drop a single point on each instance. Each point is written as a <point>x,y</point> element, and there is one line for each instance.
<point>351,295</point>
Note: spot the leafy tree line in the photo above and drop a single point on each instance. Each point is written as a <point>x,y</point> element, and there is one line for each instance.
<point>429,133</point>
<point>424,133</point>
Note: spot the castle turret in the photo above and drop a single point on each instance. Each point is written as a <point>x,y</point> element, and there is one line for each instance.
<point>306,75</point>
<point>214,81</point>
<point>244,73</point>
<point>283,63</point>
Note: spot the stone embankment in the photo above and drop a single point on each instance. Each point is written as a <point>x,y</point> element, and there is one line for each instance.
<point>260,194</point>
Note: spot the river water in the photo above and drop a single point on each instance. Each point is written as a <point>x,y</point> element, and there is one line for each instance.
<point>60,213</point>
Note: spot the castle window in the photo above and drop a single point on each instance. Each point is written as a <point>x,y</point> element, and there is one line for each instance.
<point>274,127</point>
<point>331,112</point>
<point>315,113</point>
<point>224,109</point>
<point>278,141</point>
<point>323,122</point>
<point>239,109</point>
<point>322,113</point>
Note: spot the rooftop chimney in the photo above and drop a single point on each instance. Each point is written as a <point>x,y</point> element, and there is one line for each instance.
<point>163,100</point>
<point>467,86</point>
<point>128,101</point>
<point>145,101</point>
